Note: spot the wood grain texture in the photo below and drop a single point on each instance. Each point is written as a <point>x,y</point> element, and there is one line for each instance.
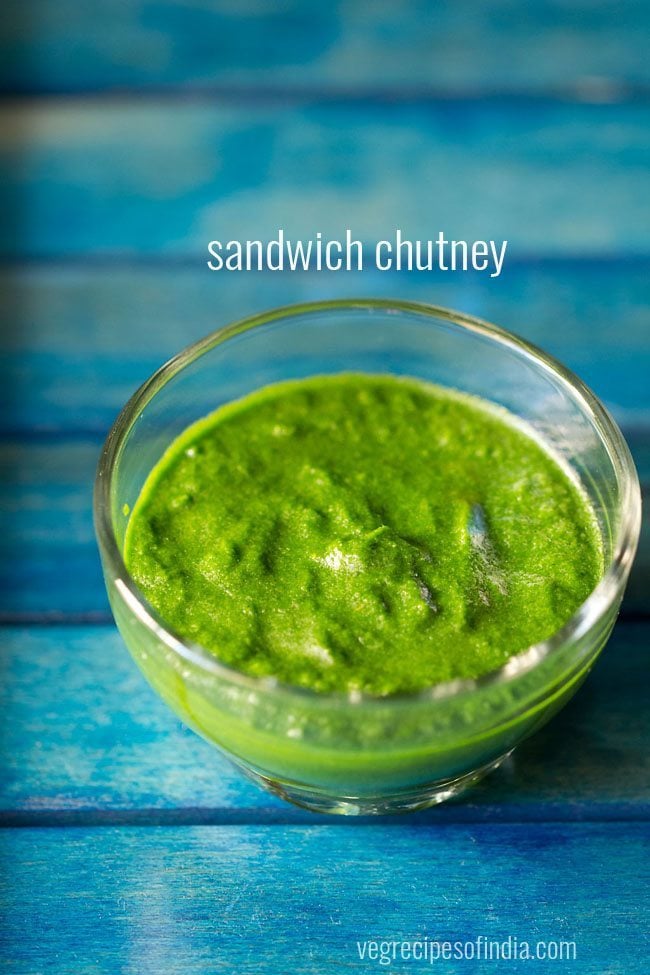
<point>83,736</point>
<point>75,342</point>
<point>448,46</point>
<point>297,899</point>
<point>161,178</point>
<point>49,563</point>
<point>233,119</point>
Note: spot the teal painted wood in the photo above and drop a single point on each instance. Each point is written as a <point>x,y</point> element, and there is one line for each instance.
<point>160,178</point>
<point>84,739</point>
<point>75,342</point>
<point>49,565</point>
<point>297,899</point>
<point>336,46</point>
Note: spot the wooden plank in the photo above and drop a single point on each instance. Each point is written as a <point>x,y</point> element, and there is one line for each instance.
<point>75,342</point>
<point>84,739</point>
<point>49,565</point>
<point>298,899</point>
<point>352,44</point>
<point>123,177</point>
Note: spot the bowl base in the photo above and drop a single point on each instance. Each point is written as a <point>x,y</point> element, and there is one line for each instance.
<point>402,802</point>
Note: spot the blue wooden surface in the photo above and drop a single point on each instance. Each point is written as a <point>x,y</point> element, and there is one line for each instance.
<point>297,899</point>
<point>143,129</point>
<point>158,178</point>
<point>71,46</point>
<point>110,327</point>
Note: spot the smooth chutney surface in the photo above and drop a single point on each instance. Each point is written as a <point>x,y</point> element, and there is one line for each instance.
<point>359,532</point>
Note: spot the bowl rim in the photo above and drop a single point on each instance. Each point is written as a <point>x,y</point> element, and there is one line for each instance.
<point>591,609</point>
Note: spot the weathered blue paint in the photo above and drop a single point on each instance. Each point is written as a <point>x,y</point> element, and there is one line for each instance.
<point>75,342</point>
<point>159,178</point>
<point>235,119</point>
<point>450,46</point>
<point>298,899</point>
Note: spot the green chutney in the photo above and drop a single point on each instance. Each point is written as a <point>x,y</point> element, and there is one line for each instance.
<point>362,533</point>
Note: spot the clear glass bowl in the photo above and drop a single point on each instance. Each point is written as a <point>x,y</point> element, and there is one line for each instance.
<point>353,753</point>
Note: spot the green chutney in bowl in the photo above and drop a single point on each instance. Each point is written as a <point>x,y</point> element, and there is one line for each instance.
<point>365,548</point>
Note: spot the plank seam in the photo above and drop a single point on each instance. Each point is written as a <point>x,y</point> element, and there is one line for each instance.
<point>606,92</point>
<point>442,816</point>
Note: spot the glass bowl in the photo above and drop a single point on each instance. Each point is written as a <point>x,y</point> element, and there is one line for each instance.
<point>354,753</point>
